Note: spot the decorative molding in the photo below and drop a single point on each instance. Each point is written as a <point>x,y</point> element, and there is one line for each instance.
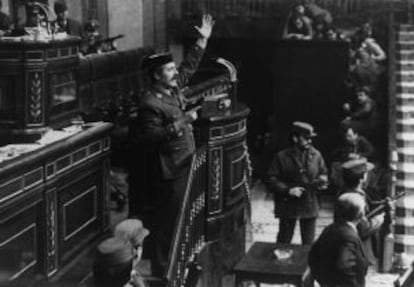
<point>92,190</point>
<point>35,99</point>
<point>33,228</point>
<point>215,180</point>
<point>51,228</point>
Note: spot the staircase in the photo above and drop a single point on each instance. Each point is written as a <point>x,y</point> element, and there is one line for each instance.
<point>403,69</point>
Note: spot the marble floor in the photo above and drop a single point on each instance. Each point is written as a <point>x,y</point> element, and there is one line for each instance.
<point>265,226</point>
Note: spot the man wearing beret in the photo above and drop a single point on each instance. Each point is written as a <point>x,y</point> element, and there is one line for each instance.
<point>164,129</point>
<point>294,177</point>
<point>63,23</point>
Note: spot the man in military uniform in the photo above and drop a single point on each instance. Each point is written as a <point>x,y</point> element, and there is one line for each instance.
<point>294,177</point>
<point>164,125</point>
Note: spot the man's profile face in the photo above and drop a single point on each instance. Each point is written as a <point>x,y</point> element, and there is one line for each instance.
<point>303,142</point>
<point>62,15</point>
<point>351,136</point>
<point>167,75</point>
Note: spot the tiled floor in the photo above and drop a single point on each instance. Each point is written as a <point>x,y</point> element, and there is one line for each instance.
<point>265,226</point>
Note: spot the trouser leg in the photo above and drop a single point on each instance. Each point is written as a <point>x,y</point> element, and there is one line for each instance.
<point>286,229</point>
<point>307,230</point>
<point>169,207</point>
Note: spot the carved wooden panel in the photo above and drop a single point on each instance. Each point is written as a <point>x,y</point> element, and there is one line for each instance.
<point>19,241</point>
<point>215,180</point>
<point>80,212</point>
<point>51,232</point>
<point>35,98</point>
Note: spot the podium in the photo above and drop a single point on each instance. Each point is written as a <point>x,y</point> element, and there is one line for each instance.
<point>37,86</point>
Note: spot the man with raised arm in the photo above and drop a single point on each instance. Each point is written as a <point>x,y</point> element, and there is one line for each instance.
<point>164,128</point>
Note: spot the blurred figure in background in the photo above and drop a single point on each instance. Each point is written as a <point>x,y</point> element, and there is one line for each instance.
<point>63,23</point>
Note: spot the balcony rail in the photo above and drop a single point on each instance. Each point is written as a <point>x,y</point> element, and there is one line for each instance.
<point>189,237</point>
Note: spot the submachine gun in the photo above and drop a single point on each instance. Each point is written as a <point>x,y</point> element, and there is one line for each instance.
<point>384,205</point>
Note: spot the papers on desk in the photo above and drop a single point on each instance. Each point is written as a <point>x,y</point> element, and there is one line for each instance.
<point>283,254</point>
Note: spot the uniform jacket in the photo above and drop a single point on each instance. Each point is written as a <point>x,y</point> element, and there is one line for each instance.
<point>156,115</point>
<point>288,170</point>
<point>337,258</point>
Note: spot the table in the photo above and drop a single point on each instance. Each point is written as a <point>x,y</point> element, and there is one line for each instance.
<point>261,265</point>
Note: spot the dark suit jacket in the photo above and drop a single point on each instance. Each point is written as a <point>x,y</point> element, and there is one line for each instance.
<point>288,170</point>
<point>338,257</point>
<point>72,27</point>
<point>157,113</point>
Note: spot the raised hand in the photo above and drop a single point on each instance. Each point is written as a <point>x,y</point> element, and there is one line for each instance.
<point>206,27</point>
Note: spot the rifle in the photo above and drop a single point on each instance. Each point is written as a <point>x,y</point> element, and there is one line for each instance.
<point>383,206</point>
<point>108,40</point>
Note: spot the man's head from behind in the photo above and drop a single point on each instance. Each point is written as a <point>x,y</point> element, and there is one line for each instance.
<point>302,134</point>
<point>113,263</point>
<point>161,69</point>
<point>350,207</point>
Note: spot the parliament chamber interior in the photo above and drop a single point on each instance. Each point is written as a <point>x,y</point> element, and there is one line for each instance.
<point>84,195</point>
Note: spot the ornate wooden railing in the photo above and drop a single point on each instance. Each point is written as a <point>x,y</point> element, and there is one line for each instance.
<point>189,238</point>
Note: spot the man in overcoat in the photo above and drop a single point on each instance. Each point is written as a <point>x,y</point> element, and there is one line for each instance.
<point>294,177</point>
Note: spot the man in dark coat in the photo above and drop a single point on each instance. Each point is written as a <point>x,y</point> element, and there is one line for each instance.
<point>337,259</point>
<point>294,177</point>
<point>63,23</point>
<point>165,129</point>
<point>354,176</point>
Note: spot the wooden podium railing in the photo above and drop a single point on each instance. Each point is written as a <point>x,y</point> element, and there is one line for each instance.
<point>189,237</point>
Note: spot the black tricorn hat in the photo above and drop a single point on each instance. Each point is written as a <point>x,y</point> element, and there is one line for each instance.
<point>154,61</point>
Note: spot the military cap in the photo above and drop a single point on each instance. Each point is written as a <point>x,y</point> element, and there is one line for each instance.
<point>357,166</point>
<point>60,6</point>
<point>113,251</point>
<point>131,230</point>
<point>303,129</point>
<point>155,61</point>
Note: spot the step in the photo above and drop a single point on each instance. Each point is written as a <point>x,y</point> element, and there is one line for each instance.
<point>400,114</point>
<point>403,55</point>
<point>405,27</point>
<point>404,36</point>
<point>405,95</point>
<point>405,75</point>
<point>404,127</point>
<point>404,45</point>
<point>405,87</point>
<point>405,154</point>
<point>405,167</point>
<point>403,243</point>
<point>404,225</point>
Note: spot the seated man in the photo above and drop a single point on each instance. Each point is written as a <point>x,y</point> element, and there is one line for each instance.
<point>298,26</point>
<point>362,114</point>
<point>63,23</point>
<point>352,146</point>
<point>337,257</point>
<point>313,11</point>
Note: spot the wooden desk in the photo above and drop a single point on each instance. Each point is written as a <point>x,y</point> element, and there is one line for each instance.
<point>261,265</point>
